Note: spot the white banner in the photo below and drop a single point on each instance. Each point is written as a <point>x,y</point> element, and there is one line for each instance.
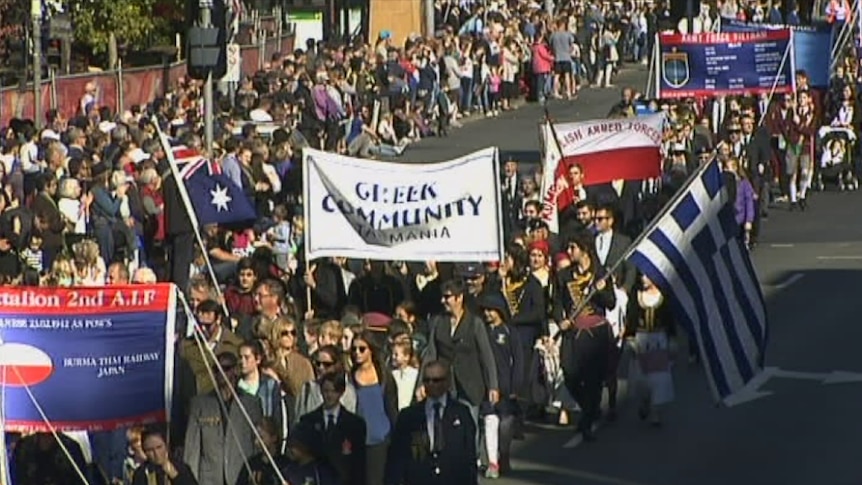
<point>448,211</point>
<point>550,189</point>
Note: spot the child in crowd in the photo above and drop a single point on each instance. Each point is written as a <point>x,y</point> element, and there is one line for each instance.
<point>136,456</point>
<point>32,254</point>
<point>405,372</point>
<point>494,84</point>
<point>281,236</point>
<point>499,418</point>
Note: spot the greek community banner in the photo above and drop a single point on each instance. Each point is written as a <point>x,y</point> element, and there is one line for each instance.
<point>694,65</point>
<point>93,358</point>
<point>447,211</point>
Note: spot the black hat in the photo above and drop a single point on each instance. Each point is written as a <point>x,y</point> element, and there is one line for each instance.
<point>469,270</point>
<point>495,301</point>
<point>703,150</point>
<point>100,168</point>
<point>536,224</point>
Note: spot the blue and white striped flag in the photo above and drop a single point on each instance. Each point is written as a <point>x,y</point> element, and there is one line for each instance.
<point>696,255</point>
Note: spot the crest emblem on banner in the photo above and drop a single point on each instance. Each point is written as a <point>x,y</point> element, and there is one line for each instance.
<point>674,68</point>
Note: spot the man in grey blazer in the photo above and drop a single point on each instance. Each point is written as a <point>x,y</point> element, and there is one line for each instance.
<point>220,440</point>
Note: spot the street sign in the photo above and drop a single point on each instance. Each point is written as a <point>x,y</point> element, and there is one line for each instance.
<point>60,27</point>
<point>234,64</point>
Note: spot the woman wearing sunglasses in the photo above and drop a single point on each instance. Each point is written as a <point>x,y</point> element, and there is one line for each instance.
<point>377,403</point>
<point>293,368</point>
<point>327,360</point>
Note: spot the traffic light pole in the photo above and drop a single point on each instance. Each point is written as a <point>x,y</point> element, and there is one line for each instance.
<point>36,16</point>
<point>206,22</point>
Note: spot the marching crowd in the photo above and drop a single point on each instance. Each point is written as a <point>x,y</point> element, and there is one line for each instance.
<point>376,372</point>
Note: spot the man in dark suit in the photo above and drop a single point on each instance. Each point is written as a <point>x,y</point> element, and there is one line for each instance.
<point>434,441</point>
<point>758,155</point>
<point>512,196</point>
<point>49,221</point>
<point>341,432</point>
<point>459,337</point>
<point>611,247</point>
<point>625,196</point>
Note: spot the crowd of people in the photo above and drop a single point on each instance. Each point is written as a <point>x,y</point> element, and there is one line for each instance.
<point>376,372</point>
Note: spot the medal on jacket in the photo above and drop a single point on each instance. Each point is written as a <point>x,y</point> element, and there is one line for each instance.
<point>346,448</point>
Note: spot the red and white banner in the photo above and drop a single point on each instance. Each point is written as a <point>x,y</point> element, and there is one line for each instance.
<point>606,150</point>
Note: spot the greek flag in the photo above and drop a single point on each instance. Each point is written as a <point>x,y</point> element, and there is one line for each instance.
<point>696,255</point>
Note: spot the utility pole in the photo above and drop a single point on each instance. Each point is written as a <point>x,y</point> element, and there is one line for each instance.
<point>430,28</point>
<point>36,17</point>
<point>689,15</point>
<point>206,22</point>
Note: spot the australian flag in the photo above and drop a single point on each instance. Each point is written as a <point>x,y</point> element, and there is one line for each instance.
<point>215,197</point>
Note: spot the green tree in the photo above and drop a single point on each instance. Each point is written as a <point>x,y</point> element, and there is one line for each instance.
<point>131,21</point>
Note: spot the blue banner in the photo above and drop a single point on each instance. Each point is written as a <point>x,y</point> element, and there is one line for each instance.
<point>88,358</point>
<point>810,45</point>
<point>701,65</point>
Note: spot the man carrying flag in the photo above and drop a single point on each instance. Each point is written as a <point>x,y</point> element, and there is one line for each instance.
<point>206,196</point>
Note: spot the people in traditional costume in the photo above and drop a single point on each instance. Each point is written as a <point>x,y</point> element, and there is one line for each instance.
<point>649,323</point>
<point>582,297</point>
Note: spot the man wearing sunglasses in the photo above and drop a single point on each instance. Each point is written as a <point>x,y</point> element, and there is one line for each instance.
<point>434,439</point>
<point>459,338</point>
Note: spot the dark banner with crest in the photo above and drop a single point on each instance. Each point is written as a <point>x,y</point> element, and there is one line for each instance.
<point>699,65</point>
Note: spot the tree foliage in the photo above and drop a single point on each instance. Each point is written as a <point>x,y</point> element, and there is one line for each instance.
<point>137,23</point>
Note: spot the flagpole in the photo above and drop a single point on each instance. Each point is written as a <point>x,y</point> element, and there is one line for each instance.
<point>778,77</point>
<point>670,206</point>
<point>190,211</point>
<point>5,477</point>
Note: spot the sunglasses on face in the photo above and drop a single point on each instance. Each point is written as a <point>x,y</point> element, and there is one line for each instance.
<point>324,364</point>
<point>359,349</point>
<point>433,380</point>
<point>601,218</point>
<point>285,333</point>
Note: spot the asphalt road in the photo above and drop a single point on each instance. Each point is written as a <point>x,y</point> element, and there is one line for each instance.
<point>803,429</point>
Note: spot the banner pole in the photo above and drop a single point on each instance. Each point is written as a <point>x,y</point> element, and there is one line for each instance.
<point>778,77</point>
<point>5,477</point>
<point>656,58</point>
<point>51,428</point>
<point>190,211</point>
<point>650,73</point>
<point>206,351</point>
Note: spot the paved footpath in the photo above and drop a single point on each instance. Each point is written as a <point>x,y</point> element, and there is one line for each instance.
<point>801,428</point>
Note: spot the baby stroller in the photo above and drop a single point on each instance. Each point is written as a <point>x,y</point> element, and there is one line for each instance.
<point>836,159</point>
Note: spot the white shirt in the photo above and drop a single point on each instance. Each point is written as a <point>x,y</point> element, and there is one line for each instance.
<point>405,382</point>
<point>429,416</point>
<point>260,116</point>
<point>334,416</point>
<point>603,246</point>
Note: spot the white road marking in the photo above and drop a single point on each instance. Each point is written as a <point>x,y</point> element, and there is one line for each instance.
<point>781,245</point>
<point>785,283</point>
<point>855,257</point>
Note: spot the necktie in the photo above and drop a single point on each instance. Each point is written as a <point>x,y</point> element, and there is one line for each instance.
<point>438,428</point>
<point>330,423</point>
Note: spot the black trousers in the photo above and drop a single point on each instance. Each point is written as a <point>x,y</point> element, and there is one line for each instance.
<point>375,463</point>
<point>586,370</point>
<point>181,249</point>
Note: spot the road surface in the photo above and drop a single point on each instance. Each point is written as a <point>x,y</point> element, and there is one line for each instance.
<point>802,428</point>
